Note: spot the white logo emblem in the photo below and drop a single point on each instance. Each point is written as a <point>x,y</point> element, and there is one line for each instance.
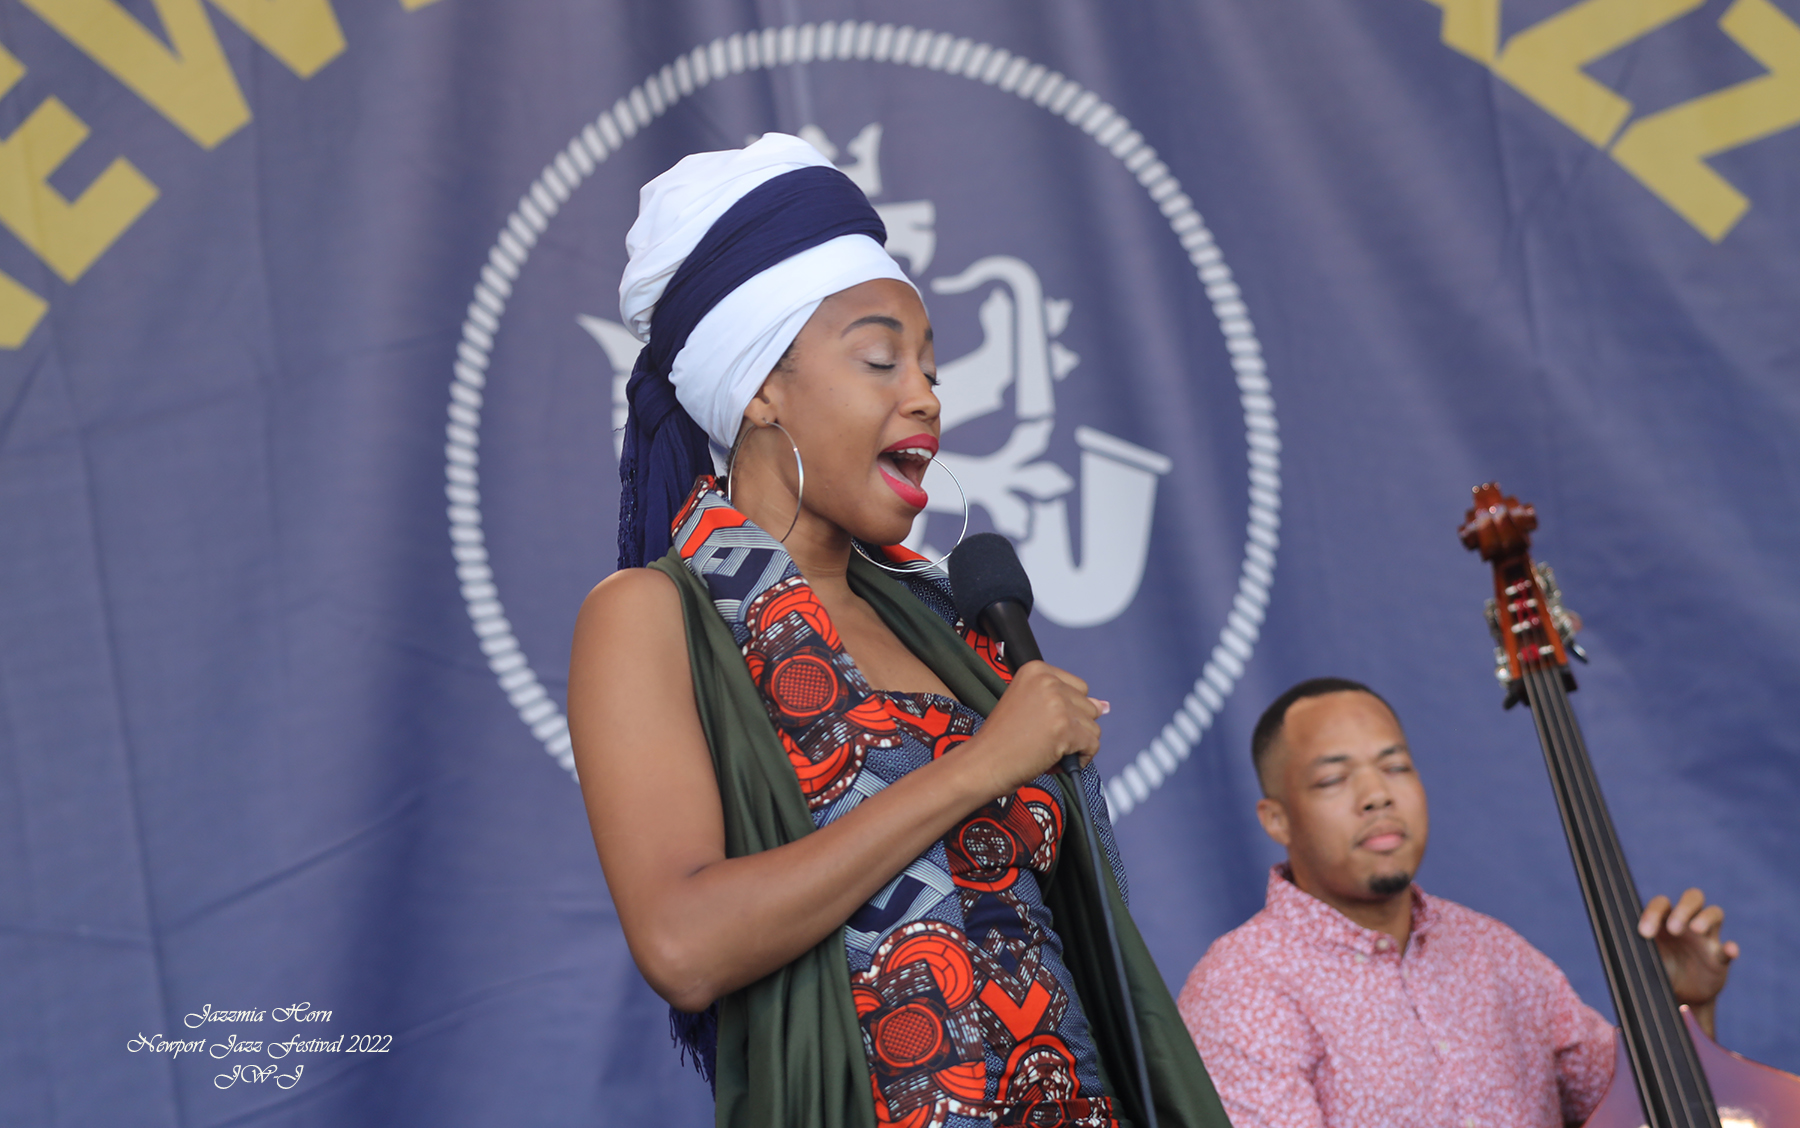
<point>1082,577</point>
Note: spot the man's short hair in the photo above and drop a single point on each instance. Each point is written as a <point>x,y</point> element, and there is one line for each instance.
<point>1268,726</point>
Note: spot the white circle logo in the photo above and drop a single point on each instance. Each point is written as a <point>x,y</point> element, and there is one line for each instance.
<point>1022,494</point>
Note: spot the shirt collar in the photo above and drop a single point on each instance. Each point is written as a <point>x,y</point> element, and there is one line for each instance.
<point>1323,925</point>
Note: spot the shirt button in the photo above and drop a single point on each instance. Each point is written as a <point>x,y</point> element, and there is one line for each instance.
<point>1444,1048</point>
<point>1361,958</point>
<point>1469,1122</point>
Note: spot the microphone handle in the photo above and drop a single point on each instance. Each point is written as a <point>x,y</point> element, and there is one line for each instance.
<point>1009,621</point>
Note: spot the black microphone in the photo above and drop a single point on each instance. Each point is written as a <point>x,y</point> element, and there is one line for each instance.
<point>993,592</point>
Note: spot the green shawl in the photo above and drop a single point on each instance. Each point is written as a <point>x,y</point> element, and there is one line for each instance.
<point>790,1050</point>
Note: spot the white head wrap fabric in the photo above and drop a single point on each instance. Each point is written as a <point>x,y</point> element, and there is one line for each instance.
<point>732,349</point>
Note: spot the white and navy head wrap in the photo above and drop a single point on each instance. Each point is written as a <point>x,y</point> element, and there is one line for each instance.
<point>731,253</point>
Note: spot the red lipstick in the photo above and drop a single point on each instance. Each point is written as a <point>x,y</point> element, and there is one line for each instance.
<point>909,457</point>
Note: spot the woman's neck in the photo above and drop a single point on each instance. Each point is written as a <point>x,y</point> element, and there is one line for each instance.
<point>822,553</point>
<point>819,548</point>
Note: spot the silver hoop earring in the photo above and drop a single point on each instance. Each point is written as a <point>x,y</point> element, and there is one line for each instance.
<point>799,469</point>
<point>959,536</point>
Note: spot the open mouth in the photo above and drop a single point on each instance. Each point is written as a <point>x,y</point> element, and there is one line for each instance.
<point>903,466</point>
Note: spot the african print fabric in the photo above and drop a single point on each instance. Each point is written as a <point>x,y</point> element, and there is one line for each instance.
<point>967,1013</point>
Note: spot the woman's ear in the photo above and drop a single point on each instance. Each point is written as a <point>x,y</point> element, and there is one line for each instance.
<point>763,406</point>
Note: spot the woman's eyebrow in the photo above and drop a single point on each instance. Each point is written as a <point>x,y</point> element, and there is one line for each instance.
<point>873,319</point>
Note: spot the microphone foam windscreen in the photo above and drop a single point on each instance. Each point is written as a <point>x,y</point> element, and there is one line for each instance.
<point>984,570</point>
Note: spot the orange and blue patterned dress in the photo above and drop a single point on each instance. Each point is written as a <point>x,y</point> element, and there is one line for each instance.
<point>968,1015</point>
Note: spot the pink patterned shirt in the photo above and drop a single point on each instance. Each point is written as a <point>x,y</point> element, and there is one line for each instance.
<point>1305,1018</point>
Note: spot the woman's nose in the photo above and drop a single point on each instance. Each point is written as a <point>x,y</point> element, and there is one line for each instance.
<point>923,402</point>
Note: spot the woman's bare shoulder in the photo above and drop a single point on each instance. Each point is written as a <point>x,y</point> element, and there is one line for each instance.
<point>629,649</point>
<point>631,600</point>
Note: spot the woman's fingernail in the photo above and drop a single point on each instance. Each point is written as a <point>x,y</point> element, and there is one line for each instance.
<point>1105,707</point>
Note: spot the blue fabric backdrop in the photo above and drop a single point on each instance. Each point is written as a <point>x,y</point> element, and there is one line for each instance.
<point>307,457</point>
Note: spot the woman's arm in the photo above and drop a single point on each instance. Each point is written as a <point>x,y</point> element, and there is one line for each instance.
<point>699,924</point>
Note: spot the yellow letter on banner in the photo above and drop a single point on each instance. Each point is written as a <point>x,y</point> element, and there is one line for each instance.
<point>1544,61</point>
<point>191,85</point>
<point>20,309</point>
<point>1667,151</point>
<point>304,34</point>
<point>1472,27</point>
<point>69,235</point>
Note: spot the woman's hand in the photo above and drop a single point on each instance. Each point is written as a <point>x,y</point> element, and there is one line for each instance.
<point>1044,715</point>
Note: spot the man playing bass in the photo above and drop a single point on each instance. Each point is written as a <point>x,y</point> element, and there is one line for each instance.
<point>1354,999</point>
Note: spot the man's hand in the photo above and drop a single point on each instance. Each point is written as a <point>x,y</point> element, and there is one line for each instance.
<point>1687,935</point>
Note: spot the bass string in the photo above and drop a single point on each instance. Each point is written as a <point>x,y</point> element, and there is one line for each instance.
<point>1615,900</point>
<point>1626,986</point>
<point>1603,897</point>
<point>1696,1089</point>
<point>1664,1046</point>
<point>1676,1050</point>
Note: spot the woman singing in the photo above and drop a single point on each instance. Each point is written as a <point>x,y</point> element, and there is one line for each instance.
<point>820,806</point>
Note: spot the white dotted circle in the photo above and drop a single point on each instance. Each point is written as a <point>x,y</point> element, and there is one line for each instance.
<point>881,43</point>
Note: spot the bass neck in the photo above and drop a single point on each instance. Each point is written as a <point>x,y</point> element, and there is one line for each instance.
<point>1535,637</point>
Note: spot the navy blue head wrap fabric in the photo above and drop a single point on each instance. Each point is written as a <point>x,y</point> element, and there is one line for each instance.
<point>665,450</point>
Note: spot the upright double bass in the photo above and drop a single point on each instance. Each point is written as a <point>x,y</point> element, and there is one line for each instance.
<point>1683,1078</point>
